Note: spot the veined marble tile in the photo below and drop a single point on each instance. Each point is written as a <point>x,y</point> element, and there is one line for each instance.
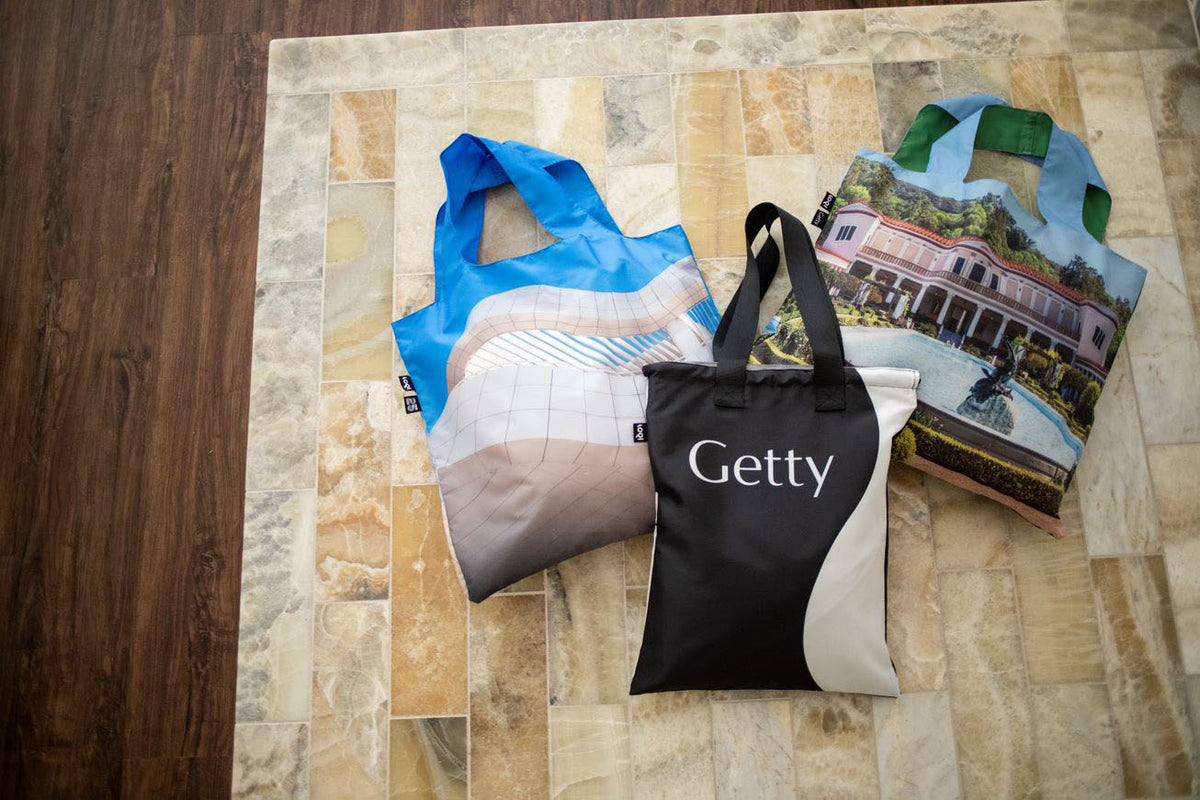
<point>842,110</point>
<point>766,40</point>
<point>1118,25</point>
<point>914,623</point>
<point>1162,344</point>
<point>411,460</point>
<point>711,154</point>
<point>357,340</point>
<point>637,116</point>
<point>1173,88</point>
<point>530,583</point>
<point>1058,613</point>
<point>285,370</point>
<point>1173,468</point>
<point>976,76</point>
<point>1145,682</point>
<point>999,29</point>
<point>1122,142</point>
<point>275,619</point>
<point>620,47</point>
<point>1048,84</point>
<point>353,495</point>
<point>585,600</point>
<point>291,215</point>
<point>903,88</point>
<point>1181,165</point>
<point>775,112</point>
<point>508,697</point>
<point>428,119</point>
<point>589,751</point>
<point>834,737</point>
<point>350,700</point>
<point>270,760</point>
<point>989,698</point>
<point>672,744</point>
<point>791,182</point>
<point>428,759</point>
<point>502,110</point>
<point>914,743</point>
<point>339,63</point>
<point>429,610</point>
<point>362,135</point>
<point>643,199</point>
<point>1078,754</point>
<point>1180,558</point>
<point>639,552</point>
<point>723,276</point>
<point>569,120</point>
<point>1114,484</point>
<point>969,530</point>
<point>753,750</point>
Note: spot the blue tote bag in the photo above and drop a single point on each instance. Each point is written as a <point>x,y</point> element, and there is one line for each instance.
<point>528,370</point>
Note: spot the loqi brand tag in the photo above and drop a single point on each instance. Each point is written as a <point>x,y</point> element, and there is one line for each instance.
<point>827,202</point>
<point>639,431</point>
<point>406,384</point>
<point>820,218</point>
<point>411,404</point>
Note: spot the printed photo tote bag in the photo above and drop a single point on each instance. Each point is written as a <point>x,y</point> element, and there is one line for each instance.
<point>1012,322</point>
<point>768,568</point>
<point>528,370</point>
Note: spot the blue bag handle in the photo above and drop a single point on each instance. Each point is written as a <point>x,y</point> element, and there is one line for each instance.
<point>556,189</point>
<point>946,134</point>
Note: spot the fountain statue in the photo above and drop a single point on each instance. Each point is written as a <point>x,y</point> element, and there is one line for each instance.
<point>990,399</point>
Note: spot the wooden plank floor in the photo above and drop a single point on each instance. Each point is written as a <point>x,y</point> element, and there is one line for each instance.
<point>130,161</point>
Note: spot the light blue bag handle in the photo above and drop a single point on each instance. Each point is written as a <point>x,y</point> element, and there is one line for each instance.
<point>1069,178</point>
<point>556,189</point>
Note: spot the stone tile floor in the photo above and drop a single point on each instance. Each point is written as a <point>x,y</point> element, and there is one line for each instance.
<point>1065,668</point>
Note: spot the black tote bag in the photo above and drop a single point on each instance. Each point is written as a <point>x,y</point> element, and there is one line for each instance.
<point>768,568</point>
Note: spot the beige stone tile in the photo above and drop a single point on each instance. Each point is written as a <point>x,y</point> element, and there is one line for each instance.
<point>914,743</point>
<point>976,76</point>
<point>914,614</point>
<point>635,623</point>
<point>637,119</point>
<point>275,617</point>
<point>766,40</point>
<point>834,737</point>
<point>353,495</point>
<point>569,120</point>
<point>1058,613</point>
<point>285,370</point>
<point>357,340</point>
<point>639,551</point>
<point>350,700</point>
<point>710,151</point>
<point>842,110</point>
<point>291,215</point>
<point>1078,754</point>
<point>1145,682</point>
<point>969,530</point>
<point>643,199</point>
<point>753,749</point>
<point>501,110</point>
<point>1122,143</point>
<point>1181,165</point>
<point>791,182</point>
<point>429,610</point>
<point>428,759</point>
<point>585,601</point>
<point>509,738</point>
<point>619,47</point>
<point>1048,84</point>
<point>1180,558</point>
<point>1192,689</point>
<point>411,460</point>
<point>589,752</point>
<point>270,760</point>
<point>1162,344</point>
<point>1173,469</point>
<point>1119,25</point>
<point>671,739</point>
<point>1114,484</point>
<point>775,112</point>
<point>531,583</point>
<point>723,276</point>
<point>342,63</point>
<point>1173,88</point>
<point>1071,512</point>
<point>362,135</point>
<point>903,88</point>
<point>995,29</point>
<point>989,695</point>
<point>428,118</point>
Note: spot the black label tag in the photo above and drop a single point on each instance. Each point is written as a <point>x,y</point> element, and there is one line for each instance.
<point>827,201</point>
<point>411,404</point>
<point>406,384</point>
<point>820,218</point>
<point>639,431</point>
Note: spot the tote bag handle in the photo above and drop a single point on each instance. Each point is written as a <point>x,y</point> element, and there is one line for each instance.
<point>944,136</point>
<point>739,325</point>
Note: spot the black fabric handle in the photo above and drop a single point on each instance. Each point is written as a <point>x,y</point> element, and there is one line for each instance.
<point>739,325</point>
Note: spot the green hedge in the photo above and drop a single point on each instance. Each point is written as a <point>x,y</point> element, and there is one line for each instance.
<point>904,444</point>
<point>1028,487</point>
